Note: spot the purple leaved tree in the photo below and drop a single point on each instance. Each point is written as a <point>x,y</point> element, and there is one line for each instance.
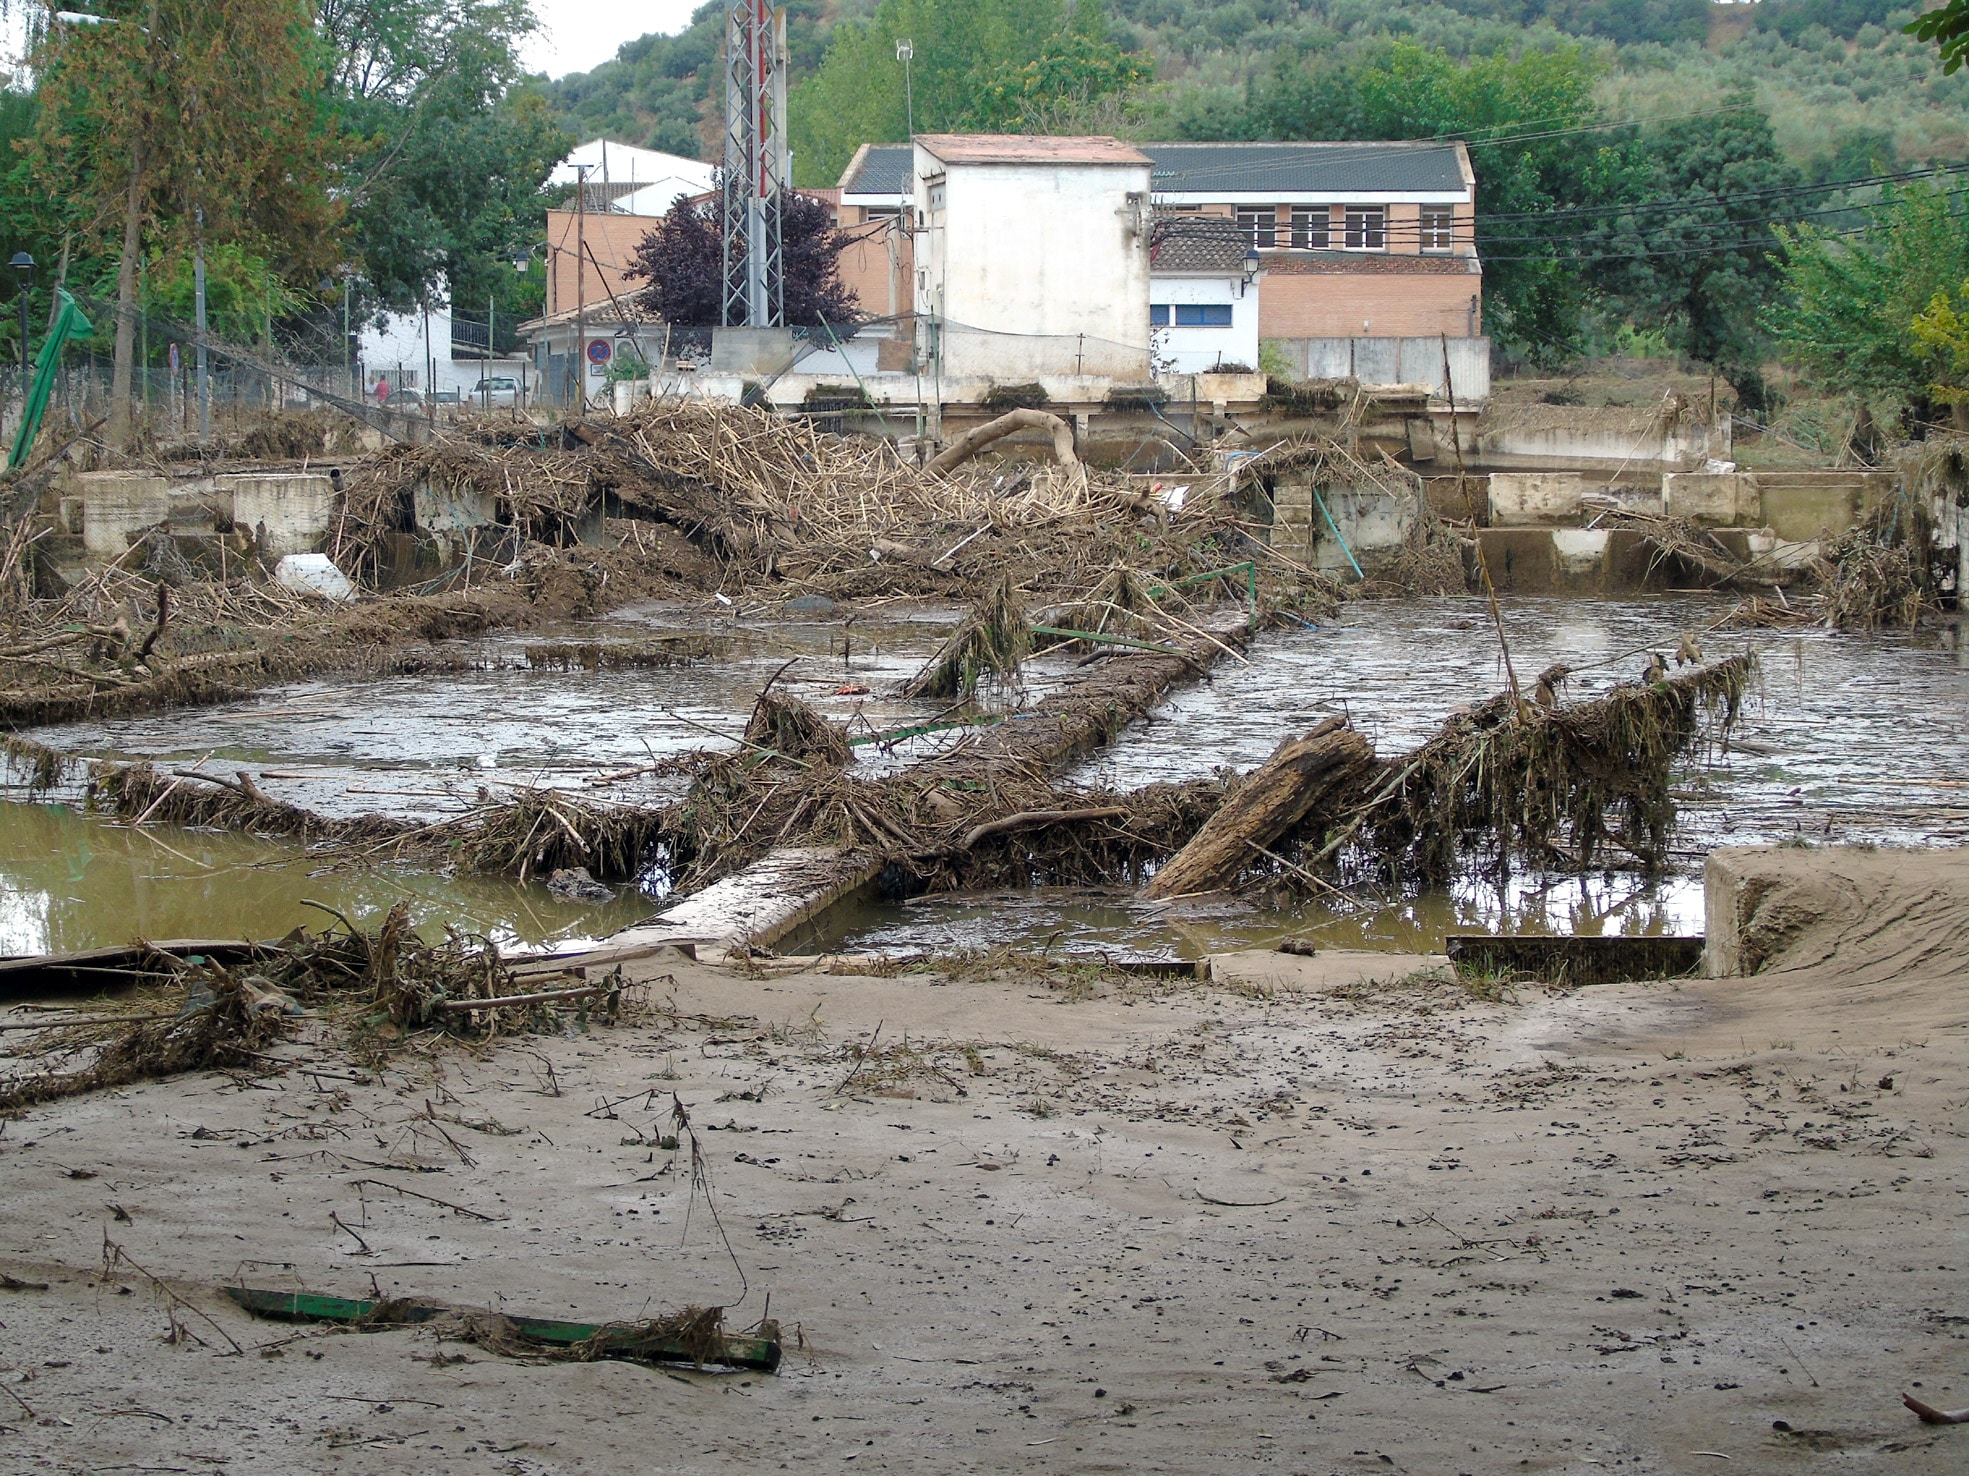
<point>682,260</point>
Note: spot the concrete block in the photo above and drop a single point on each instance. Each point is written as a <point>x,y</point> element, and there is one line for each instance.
<point>285,512</point>
<point>1801,513</point>
<point>1531,499</point>
<point>1521,560</point>
<point>1719,499</point>
<point>450,510</point>
<point>1230,388</point>
<point>116,505</point>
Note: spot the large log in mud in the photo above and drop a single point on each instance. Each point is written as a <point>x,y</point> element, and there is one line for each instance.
<point>1087,710</point>
<point>1305,774</point>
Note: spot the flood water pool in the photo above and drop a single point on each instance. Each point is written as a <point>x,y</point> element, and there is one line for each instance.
<point>1845,738</point>
<point>70,881</point>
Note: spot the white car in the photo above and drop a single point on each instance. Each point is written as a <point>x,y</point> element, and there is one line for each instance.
<point>494,391</point>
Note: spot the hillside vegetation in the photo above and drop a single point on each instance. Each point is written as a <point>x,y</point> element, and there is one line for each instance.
<point>1840,83</point>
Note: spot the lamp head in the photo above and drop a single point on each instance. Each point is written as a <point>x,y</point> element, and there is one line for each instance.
<point>23,266</point>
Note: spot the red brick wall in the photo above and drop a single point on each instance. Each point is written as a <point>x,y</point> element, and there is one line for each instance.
<point>1389,304</point>
<point>866,265</point>
<point>612,240</point>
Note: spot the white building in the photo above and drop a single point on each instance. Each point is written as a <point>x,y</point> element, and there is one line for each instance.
<point>414,351</point>
<point>1033,259</point>
<point>1203,297</point>
<point>632,181</point>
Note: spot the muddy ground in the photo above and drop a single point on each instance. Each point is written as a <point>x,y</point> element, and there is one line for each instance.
<point>1341,1213</point>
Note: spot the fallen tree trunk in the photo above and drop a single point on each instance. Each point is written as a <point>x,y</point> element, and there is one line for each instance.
<point>1306,772</point>
<point>977,438</point>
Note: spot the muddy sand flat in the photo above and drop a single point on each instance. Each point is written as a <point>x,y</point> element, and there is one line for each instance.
<point>1319,1214</point>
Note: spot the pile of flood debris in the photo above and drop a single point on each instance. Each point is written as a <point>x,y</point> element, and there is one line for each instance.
<point>675,500</point>
<point>200,1012</point>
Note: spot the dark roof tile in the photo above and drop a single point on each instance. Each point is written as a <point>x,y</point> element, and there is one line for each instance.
<point>1335,169</point>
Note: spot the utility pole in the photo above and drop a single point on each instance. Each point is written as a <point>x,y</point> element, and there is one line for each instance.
<point>485,374</point>
<point>580,286</point>
<point>905,53</point>
<point>757,169</point>
<point>198,322</point>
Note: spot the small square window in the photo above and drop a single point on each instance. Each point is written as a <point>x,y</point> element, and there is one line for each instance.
<point>1367,228</point>
<point>1259,225</point>
<point>1311,227</point>
<point>1159,315</point>
<point>1438,227</point>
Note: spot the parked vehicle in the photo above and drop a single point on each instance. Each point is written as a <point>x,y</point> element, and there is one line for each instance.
<point>494,391</point>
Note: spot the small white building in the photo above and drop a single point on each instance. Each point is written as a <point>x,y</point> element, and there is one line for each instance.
<point>630,180</point>
<point>414,351</point>
<point>1203,297</point>
<point>1033,259</point>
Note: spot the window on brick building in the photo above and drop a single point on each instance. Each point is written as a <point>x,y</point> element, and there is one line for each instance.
<point>1438,227</point>
<point>1367,228</point>
<point>1259,225</point>
<point>1311,227</point>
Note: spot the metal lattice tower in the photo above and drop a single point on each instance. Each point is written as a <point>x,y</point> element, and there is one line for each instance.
<point>756,164</point>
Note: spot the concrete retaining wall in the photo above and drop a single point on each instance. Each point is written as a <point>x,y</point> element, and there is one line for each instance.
<point>1718,499</point>
<point>1378,361</point>
<point>1518,499</point>
<point>286,512</point>
<point>116,505</point>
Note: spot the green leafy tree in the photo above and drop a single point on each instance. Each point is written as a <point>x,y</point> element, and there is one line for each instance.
<point>182,119</point>
<point>450,146</point>
<point>1696,258</point>
<point>979,65</point>
<point>1541,168</point>
<point>1849,305</point>
<point>1942,332</point>
<point>1948,27</point>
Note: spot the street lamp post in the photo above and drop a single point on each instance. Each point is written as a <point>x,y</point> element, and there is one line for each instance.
<point>23,266</point>
<point>905,53</point>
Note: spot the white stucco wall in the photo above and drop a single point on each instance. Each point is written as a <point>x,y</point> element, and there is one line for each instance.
<point>1180,350</point>
<point>1036,269</point>
<point>398,343</point>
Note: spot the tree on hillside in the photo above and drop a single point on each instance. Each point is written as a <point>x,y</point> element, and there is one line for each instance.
<point>1850,304</point>
<point>1696,257</point>
<point>183,119</point>
<point>979,65</point>
<point>1543,160</point>
<point>683,259</point>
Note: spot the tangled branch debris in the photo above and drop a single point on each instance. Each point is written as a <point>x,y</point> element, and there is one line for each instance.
<point>1878,573</point>
<point>990,641</point>
<point>1552,787</point>
<point>383,985</point>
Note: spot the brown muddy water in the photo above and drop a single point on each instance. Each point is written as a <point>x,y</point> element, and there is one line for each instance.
<point>1846,737</point>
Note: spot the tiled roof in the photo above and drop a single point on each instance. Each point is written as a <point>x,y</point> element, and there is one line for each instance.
<point>880,169</point>
<point>1303,168</point>
<point>1196,244</point>
<point>1335,169</point>
<point>1029,148</point>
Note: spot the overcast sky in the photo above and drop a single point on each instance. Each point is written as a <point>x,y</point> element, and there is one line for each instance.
<point>576,35</point>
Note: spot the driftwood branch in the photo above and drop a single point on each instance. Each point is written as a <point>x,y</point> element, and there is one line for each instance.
<point>1303,774</point>
<point>977,438</point>
<point>1028,818</point>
